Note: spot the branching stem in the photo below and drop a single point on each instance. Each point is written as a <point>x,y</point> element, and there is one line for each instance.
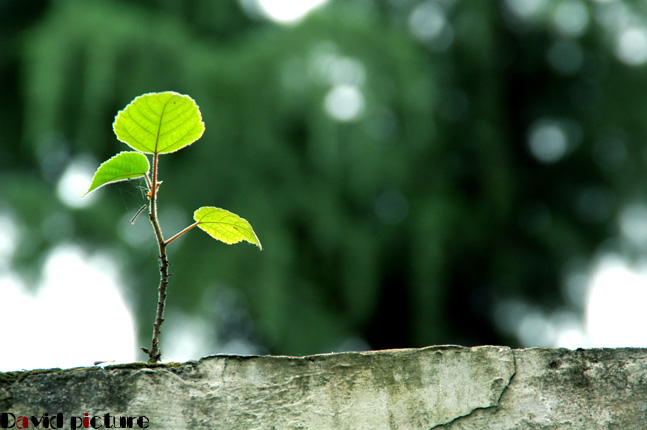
<point>195,224</point>
<point>155,353</point>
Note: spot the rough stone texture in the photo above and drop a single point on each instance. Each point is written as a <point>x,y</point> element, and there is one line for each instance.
<point>445,387</point>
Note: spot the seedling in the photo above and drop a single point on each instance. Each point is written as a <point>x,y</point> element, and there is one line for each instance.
<point>155,124</point>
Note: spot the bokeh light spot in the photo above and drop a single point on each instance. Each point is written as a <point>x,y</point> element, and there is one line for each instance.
<point>631,46</point>
<point>526,9</point>
<point>427,20</point>
<point>548,142</point>
<point>633,224</point>
<point>344,102</point>
<point>288,11</point>
<point>571,18</point>
<point>615,314</point>
<point>75,182</point>
<point>78,315</point>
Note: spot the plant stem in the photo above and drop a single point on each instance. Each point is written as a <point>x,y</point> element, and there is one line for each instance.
<point>181,233</point>
<point>155,354</point>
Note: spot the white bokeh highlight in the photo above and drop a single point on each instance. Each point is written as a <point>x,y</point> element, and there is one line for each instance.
<point>75,317</point>
<point>288,11</point>
<point>615,312</point>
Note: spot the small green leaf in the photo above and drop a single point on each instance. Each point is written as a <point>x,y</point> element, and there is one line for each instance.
<point>225,226</point>
<point>125,165</point>
<point>159,123</point>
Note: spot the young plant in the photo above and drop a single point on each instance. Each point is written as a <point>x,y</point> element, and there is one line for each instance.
<point>154,124</point>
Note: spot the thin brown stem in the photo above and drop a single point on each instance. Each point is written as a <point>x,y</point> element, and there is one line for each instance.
<point>155,353</point>
<point>148,181</point>
<point>195,224</point>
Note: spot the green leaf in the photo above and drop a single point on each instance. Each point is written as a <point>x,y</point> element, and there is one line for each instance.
<point>225,226</point>
<point>159,123</point>
<point>125,165</point>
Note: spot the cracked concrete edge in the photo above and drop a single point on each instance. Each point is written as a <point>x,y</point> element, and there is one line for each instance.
<point>457,422</point>
<point>380,389</point>
<point>557,388</point>
<point>442,387</point>
<point>373,390</point>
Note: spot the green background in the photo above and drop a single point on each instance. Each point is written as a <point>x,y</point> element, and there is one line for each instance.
<point>405,226</point>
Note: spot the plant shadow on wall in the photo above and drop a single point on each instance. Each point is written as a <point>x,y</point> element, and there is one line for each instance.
<point>155,124</point>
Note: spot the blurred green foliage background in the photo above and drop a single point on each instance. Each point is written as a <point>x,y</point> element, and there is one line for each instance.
<point>408,165</point>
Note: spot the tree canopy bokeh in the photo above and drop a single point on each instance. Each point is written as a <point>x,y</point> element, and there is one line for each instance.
<point>407,165</point>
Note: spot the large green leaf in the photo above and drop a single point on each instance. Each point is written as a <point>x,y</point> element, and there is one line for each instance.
<point>159,123</point>
<point>125,165</point>
<point>225,226</point>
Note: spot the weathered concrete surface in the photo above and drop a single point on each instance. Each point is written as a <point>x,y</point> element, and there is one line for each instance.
<point>444,387</point>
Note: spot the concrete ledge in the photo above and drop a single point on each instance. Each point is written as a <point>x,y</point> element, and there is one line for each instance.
<point>446,387</point>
